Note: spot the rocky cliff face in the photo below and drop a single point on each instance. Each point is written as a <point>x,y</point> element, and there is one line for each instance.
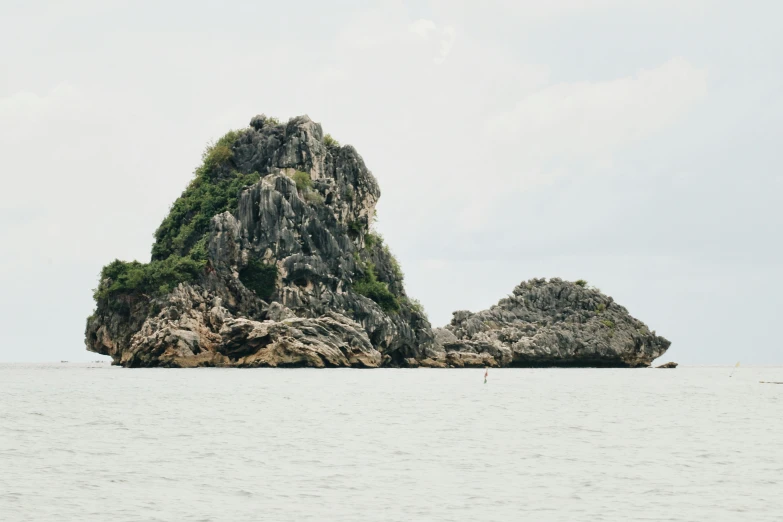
<point>268,259</point>
<point>289,274</point>
<point>551,323</point>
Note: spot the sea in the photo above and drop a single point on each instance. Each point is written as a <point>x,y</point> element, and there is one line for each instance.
<point>93,442</point>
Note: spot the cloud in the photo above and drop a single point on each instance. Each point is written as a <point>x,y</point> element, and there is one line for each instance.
<point>536,11</point>
<point>445,36</point>
<point>26,113</point>
<point>592,120</point>
<point>480,119</point>
<point>422,27</point>
<point>492,139</point>
<point>451,135</point>
<point>433,264</point>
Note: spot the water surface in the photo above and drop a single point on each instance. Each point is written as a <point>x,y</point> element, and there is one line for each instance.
<point>90,442</point>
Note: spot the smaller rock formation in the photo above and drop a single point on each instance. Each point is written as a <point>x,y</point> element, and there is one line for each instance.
<point>668,365</point>
<point>550,323</point>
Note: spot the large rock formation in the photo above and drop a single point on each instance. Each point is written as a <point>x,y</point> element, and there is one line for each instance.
<point>289,274</point>
<point>550,323</point>
<point>268,259</point>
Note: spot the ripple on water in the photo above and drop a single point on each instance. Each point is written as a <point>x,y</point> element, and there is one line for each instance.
<point>96,443</point>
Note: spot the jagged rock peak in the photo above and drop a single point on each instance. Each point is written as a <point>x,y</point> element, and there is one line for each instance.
<point>270,244</point>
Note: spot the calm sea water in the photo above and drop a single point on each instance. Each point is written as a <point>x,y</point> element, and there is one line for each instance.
<point>90,442</point>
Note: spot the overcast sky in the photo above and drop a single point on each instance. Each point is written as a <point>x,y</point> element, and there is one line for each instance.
<point>631,143</point>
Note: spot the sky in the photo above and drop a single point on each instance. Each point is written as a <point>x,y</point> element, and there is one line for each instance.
<point>631,143</point>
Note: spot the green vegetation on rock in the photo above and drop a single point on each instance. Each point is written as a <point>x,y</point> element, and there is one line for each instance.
<point>581,282</point>
<point>135,279</point>
<point>259,278</point>
<point>211,192</point>
<point>355,228</point>
<point>395,265</point>
<point>304,184</point>
<point>370,240</point>
<point>314,198</point>
<point>302,180</point>
<point>416,306</point>
<point>378,291</point>
<point>180,250</point>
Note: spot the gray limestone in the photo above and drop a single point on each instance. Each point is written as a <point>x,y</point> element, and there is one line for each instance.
<point>319,239</point>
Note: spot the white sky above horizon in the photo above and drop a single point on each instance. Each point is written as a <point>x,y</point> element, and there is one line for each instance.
<point>629,143</point>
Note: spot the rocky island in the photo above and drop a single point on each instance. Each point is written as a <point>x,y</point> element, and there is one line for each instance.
<point>268,258</point>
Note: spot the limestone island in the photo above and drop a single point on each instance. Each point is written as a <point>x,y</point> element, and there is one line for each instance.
<point>269,259</point>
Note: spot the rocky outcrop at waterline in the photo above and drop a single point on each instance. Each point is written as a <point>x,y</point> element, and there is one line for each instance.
<point>550,323</point>
<point>268,259</point>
